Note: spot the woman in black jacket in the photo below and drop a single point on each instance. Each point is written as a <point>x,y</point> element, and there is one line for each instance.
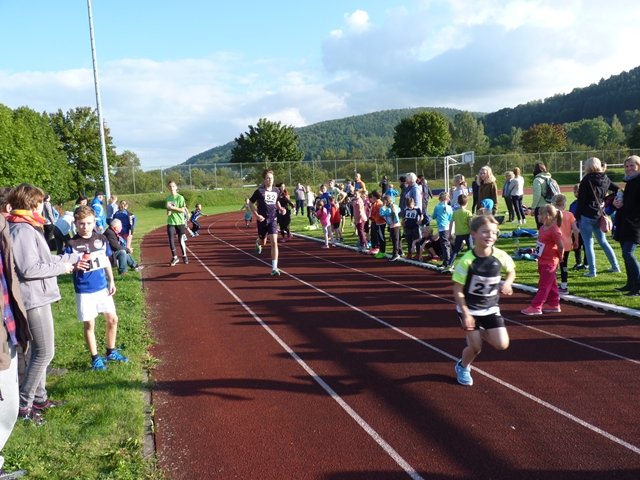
<point>594,186</point>
<point>628,224</point>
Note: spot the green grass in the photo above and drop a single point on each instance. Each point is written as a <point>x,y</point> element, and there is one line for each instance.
<point>99,432</point>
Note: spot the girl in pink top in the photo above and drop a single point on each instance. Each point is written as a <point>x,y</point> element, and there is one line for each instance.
<point>325,221</point>
<point>550,251</point>
<point>570,233</point>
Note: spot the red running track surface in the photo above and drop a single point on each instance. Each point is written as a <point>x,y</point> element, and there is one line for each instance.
<point>342,368</point>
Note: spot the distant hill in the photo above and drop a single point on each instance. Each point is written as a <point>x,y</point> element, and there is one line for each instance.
<point>614,96</point>
<point>371,135</point>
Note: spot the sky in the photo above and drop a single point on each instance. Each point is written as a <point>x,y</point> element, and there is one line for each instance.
<point>179,77</point>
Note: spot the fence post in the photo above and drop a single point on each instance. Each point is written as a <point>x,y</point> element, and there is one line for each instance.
<point>133,175</point>
<point>161,182</point>
<point>215,174</point>
<point>190,178</point>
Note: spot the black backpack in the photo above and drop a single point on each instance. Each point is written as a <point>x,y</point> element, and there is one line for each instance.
<point>551,189</point>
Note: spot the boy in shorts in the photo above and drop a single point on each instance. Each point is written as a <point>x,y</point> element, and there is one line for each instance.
<point>94,285</point>
<point>476,290</point>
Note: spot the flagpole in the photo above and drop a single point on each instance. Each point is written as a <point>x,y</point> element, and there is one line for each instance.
<point>103,146</point>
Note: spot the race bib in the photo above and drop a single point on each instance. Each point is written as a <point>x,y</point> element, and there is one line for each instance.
<point>539,249</point>
<point>98,261</point>
<point>270,198</point>
<point>484,286</point>
<point>411,214</point>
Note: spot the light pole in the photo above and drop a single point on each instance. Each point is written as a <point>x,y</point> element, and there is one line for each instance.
<point>103,146</point>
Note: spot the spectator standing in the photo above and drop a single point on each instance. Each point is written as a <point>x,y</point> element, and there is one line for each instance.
<point>50,219</point>
<point>540,178</point>
<point>475,192</point>
<point>591,192</point>
<point>580,252</point>
<point>98,208</point>
<point>628,224</point>
<point>63,230</point>
<point>413,190</point>
<point>487,187</point>
<point>507,188</point>
<point>36,270</point>
<point>300,199</point>
<point>443,214</point>
<point>112,207</point>
<point>384,185</point>
<point>13,332</point>
<point>311,198</point>
<point>411,221</point>
<point>570,234</point>
<point>359,219</point>
<point>378,227</point>
<point>358,183</point>
<point>426,192</point>
<point>390,212</point>
<point>459,188</point>
<point>517,193</point>
<point>128,221</point>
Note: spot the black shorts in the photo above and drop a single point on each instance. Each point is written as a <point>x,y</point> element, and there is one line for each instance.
<point>267,228</point>
<point>335,225</point>
<point>487,322</point>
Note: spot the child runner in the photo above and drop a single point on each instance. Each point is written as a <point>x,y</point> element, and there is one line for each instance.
<point>443,214</point>
<point>390,212</point>
<point>378,226</point>
<point>412,218</point>
<point>94,286</point>
<point>570,233</point>
<point>266,199</point>
<point>177,213</point>
<point>476,289</point>
<point>550,252</point>
<point>247,213</point>
<point>195,215</point>
<point>325,221</point>
<point>460,225</point>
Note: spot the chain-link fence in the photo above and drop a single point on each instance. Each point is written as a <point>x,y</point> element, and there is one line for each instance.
<point>128,180</point>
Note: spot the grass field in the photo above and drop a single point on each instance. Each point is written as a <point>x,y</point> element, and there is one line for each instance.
<point>99,432</point>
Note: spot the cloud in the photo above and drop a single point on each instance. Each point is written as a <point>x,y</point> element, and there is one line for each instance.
<point>479,56</point>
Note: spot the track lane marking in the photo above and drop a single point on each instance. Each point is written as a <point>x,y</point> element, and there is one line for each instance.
<point>539,401</point>
<point>388,449</point>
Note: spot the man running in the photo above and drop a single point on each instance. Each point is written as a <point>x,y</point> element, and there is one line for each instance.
<point>265,206</point>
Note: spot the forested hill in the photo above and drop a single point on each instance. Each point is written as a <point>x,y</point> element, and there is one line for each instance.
<point>371,135</point>
<point>606,98</point>
<point>364,136</point>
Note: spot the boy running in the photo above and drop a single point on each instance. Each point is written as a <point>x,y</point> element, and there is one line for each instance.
<point>94,286</point>
<point>177,214</point>
<point>268,206</point>
<point>476,289</point>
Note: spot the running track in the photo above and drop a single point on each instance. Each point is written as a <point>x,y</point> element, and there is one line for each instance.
<point>342,368</point>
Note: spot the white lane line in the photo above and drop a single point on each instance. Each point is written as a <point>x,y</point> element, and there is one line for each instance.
<point>389,450</point>
<point>423,292</point>
<point>510,386</point>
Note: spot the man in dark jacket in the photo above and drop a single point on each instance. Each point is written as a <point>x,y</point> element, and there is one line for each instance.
<point>121,254</point>
<point>13,333</point>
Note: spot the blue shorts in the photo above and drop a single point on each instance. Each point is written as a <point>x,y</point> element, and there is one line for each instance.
<point>267,227</point>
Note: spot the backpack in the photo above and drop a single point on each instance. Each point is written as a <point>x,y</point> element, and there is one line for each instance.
<point>551,189</point>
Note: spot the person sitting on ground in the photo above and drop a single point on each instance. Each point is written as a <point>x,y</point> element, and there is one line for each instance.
<point>428,242</point>
<point>121,255</point>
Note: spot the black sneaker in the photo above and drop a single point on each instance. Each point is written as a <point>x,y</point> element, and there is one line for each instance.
<point>185,260</point>
<point>624,288</point>
<point>32,416</point>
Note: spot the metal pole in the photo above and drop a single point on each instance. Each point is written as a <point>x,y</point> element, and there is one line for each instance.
<point>103,146</point>
<point>133,174</point>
